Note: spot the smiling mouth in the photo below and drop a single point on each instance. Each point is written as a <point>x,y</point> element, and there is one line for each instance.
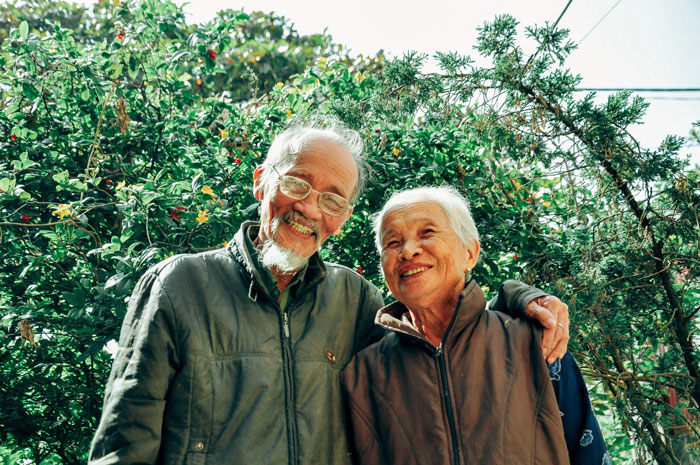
<point>300,228</point>
<point>413,271</point>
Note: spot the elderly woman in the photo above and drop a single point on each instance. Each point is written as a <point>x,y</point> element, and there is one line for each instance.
<point>453,382</point>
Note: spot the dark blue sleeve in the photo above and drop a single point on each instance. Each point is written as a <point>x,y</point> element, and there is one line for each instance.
<point>581,430</point>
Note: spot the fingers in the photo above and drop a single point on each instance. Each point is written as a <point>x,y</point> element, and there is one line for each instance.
<point>553,315</point>
<point>562,337</point>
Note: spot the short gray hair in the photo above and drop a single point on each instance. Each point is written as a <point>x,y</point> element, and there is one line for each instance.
<point>292,141</point>
<point>454,204</point>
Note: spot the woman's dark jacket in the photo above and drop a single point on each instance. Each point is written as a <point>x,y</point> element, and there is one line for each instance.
<point>483,397</point>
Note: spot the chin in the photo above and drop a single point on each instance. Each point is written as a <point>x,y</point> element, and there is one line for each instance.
<point>275,255</point>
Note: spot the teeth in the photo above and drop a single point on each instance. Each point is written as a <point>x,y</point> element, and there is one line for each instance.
<point>414,271</point>
<point>300,228</point>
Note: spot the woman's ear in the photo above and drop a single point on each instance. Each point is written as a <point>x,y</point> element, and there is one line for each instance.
<point>472,255</point>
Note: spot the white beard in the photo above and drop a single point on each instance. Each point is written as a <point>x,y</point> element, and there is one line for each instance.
<point>272,255</point>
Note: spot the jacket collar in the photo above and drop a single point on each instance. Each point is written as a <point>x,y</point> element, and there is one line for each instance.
<point>315,271</point>
<point>471,304</point>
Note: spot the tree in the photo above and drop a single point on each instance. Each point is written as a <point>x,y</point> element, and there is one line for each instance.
<point>133,139</point>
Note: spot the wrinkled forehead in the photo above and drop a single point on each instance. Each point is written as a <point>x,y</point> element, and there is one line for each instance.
<point>412,213</point>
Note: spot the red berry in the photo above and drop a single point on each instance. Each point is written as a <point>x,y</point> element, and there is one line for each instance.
<point>377,131</point>
<point>360,270</point>
<point>108,182</point>
<point>25,218</point>
<point>245,134</point>
<point>180,207</point>
<point>515,255</point>
<point>212,55</point>
<point>13,137</point>
<point>237,160</point>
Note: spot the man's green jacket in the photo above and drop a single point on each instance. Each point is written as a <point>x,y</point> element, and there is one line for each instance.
<point>211,370</point>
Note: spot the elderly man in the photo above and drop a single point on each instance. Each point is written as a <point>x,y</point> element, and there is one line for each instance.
<point>452,382</point>
<point>234,355</point>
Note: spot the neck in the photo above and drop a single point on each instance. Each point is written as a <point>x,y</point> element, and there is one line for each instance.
<point>283,279</point>
<point>432,324</point>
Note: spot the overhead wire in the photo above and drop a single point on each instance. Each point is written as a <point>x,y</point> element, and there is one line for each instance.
<point>532,57</point>
<point>640,89</point>
<point>599,21</point>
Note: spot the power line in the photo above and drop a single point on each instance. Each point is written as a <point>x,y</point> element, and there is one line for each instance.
<point>599,21</point>
<point>638,89</point>
<point>532,57</point>
<point>684,99</point>
<point>562,13</point>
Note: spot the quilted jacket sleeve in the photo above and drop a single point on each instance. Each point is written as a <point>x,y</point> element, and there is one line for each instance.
<point>130,427</point>
<point>513,297</point>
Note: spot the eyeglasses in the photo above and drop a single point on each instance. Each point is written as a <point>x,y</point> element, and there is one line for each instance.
<point>298,189</point>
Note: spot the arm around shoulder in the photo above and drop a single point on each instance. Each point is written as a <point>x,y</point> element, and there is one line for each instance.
<point>513,297</point>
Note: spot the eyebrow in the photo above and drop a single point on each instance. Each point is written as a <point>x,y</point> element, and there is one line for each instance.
<point>427,221</point>
<point>310,179</point>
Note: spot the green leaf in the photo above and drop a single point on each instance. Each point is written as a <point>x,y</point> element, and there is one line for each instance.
<point>23,29</point>
<point>7,184</point>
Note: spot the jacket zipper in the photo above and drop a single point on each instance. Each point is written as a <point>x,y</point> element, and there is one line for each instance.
<point>442,368</point>
<point>289,390</point>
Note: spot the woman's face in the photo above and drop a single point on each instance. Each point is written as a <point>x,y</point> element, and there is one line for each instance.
<point>423,259</point>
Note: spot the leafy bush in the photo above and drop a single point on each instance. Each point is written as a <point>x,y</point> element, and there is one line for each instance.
<point>127,136</point>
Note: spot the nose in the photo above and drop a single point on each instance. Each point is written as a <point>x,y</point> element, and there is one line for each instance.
<point>411,248</point>
<point>309,206</point>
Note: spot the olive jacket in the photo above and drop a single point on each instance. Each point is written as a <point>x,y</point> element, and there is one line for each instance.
<point>211,370</point>
<point>483,397</point>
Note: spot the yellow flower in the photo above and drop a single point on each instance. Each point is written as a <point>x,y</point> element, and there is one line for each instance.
<point>121,184</point>
<point>546,203</point>
<point>360,77</point>
<point>223,133</point>
<point>208,190</point>
<point>322,60</point>
<point>516,184</point>
<point>203,216</point>
<point>279,85</point>
<point>224,244</point>
<point>145,83</point>
<point>62,211</point>
<point>396,151</point>
<point>289,113</point>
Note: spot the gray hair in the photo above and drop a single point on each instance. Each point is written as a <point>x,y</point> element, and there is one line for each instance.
<point>291,142</point>
<point>454,204</point>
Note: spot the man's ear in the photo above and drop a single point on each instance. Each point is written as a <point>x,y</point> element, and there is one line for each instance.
<point>257,186</point>
<point>337,231</point>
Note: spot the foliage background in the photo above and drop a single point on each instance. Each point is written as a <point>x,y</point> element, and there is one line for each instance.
<point>127,136</point>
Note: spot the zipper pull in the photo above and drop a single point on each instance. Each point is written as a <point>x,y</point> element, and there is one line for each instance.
<point>438,351</point>
<point>285,317</point>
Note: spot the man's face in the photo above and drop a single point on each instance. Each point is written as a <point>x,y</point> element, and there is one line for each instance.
<point>299,225</point>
